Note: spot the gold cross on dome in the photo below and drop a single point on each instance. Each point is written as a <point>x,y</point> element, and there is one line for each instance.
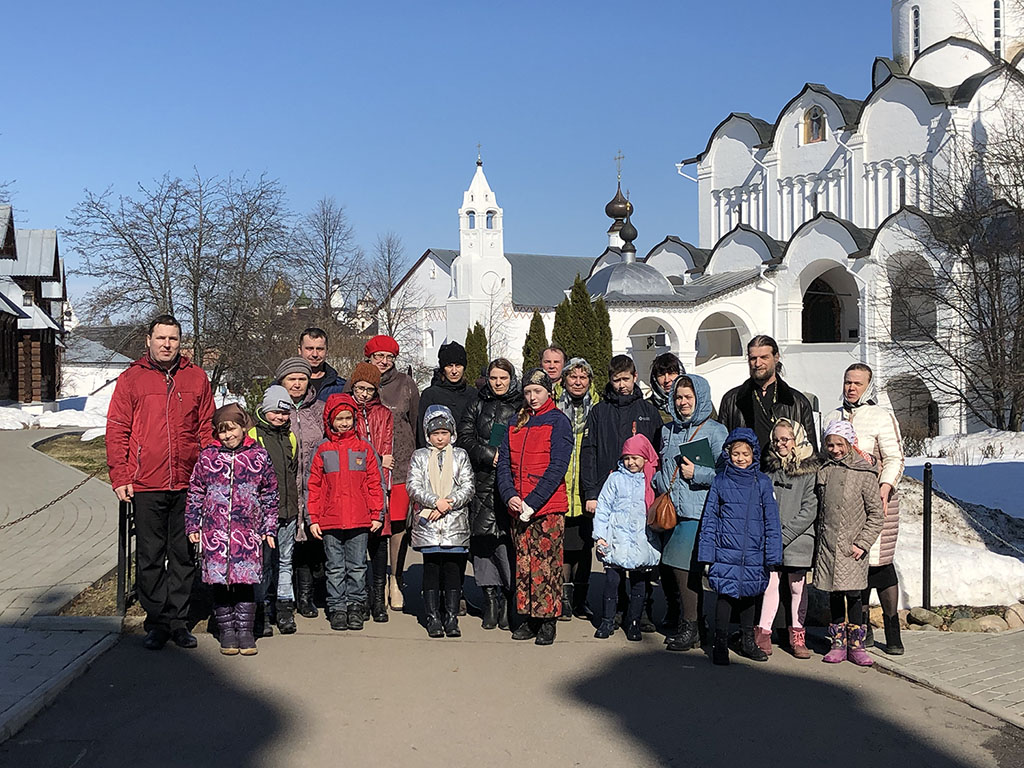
<point>618,164</point>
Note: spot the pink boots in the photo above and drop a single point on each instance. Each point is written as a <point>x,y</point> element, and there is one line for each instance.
<point>855,639</point>
<point>837,635</point>
<point>763,639</point>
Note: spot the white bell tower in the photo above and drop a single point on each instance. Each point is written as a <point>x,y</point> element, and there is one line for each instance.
<point>481,275</point>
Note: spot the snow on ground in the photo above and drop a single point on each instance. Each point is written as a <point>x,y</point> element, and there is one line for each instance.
<point>976,446</point>
<point>994,483</point>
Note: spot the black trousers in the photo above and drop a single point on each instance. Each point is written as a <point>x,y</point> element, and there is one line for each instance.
<point>163,558</point>
<point>443,571</point>
<point>746,607</point>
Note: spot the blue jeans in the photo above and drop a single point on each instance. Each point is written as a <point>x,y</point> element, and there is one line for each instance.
<point>346,567</point>
<point>277,565</point>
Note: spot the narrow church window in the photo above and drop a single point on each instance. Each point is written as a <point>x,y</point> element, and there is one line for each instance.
<point>915,23</point>
<point>814,125</point>
<point>490,219</point>
<point>472,220</point>
<point>997,16</point>
<point>903,191</point>
<point>814,203</point>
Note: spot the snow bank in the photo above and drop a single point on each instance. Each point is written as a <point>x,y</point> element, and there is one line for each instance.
<point>977,552</point>
<point>53,419</point>
<point>92,434</point>
<point>975,447</point>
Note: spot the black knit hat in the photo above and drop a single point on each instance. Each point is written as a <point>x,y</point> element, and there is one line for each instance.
<point>452,353</point>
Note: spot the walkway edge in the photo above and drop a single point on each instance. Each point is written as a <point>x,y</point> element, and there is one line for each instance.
<point>946,690</point>
<point>18,716</point>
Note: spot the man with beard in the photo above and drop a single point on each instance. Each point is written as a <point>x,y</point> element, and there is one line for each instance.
<point>765,398</point>
<point>324,381</point>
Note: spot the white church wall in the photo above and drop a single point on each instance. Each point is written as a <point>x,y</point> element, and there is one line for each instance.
<point>738,250</point>
<point>672,260</point>
<point>949,65</point>
<point>939,19</point>
<point>731,154</point>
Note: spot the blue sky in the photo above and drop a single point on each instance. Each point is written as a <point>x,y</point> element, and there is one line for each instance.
<point>382,104</point>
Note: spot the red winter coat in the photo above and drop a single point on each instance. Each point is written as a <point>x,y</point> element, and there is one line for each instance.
<point>533,460</point>
<point>376,425</point>
<point>344,483</point>
<point>156,424</point>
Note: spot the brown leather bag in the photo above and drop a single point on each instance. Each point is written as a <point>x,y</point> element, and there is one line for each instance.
<point>661,515</point>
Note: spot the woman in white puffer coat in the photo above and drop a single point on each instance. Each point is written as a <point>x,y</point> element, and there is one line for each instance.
<point>878,440</point>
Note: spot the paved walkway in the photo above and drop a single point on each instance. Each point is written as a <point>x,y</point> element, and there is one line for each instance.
<point>983,670</point>
<point>48,559</point>
<point>45,561</point>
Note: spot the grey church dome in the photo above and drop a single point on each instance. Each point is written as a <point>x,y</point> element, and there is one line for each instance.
<point>629,279</point>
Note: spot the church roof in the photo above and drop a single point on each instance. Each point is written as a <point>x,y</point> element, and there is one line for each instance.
<point>540,281</point>
<point>763,127</point>
<point>700,256</point>
<point>699,290</point>
<point>83,351</point>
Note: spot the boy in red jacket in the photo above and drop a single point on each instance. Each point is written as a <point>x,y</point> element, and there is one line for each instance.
<point>346,504</point>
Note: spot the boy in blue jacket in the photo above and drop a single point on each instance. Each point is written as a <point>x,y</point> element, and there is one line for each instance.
<point>740,540</point>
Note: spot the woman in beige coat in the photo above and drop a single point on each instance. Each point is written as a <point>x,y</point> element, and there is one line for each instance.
<point>849,520</point>
<point>878,440</point>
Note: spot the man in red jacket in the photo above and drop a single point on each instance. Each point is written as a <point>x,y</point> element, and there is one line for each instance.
<point>159,419</point>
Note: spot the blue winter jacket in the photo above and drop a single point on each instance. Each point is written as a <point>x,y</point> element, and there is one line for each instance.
<point>740,534</point>
<point>688,495</point>
<point>621,520</point>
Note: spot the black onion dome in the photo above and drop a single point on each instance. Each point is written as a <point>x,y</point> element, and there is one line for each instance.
<point>619,207</point>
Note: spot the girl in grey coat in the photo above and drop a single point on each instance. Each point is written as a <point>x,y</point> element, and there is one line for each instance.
<point>440,485</point>
<point>792,465</point>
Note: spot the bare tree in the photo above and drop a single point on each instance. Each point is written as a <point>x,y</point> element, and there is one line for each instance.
<point>400,303</point>
<point>132,245</point>
<point>957,297</point>
<point>325,255</point>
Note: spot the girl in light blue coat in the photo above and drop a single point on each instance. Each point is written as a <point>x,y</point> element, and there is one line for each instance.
<point>690,406</point>
<point>626,546</point>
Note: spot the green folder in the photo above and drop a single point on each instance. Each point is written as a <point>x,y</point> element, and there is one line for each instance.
<point>699,452</point>
<point>498,435</point>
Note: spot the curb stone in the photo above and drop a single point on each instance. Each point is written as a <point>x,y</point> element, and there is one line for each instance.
<point>18,716</point>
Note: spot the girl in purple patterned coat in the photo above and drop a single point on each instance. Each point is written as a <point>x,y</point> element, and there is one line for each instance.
<point>231,510</point>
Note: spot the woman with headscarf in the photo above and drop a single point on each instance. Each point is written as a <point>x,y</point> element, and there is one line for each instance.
<point>399,393</point>
<point>481,433</point>
<point>688,483</point>
<point>879,441</point>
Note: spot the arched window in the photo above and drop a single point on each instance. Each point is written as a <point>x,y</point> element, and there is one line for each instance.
<point>814,125</point>
<point>997,28</point>
<point>472,219</point>
<point>822,313</point>
<point>915,27</point>
<point>912,311</point>
<point>490,219</point>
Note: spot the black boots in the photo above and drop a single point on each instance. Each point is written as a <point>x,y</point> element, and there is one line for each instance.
<point>546,632</point>
<point>225,615</point>
<point>378,601</point>
<point>451,612</point>
<point>527,630</point>
<point>504,601</point>
<point>304,592</point>
<point>748,646</point>
<point>492,600</point>
<point>605,629</point>
<point>580,606</point>
<point>720,650</point>
<point>893,641</point>
<point>567,602</point>
<point>264,624</point>
<point>432,607</point>
<point>633,632</point>
<point>286,617</point>
<point>687,639</point>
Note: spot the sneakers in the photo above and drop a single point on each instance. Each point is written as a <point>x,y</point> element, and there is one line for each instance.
<point>798,643</point>
<point>763,639</point>
<point>837,636</point>
<point>855,651</point>
<point>339,620</point>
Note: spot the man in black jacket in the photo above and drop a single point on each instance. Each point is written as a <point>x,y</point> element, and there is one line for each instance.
<point>765,398</point>
<point>621,414</point>
<point>324,380</point>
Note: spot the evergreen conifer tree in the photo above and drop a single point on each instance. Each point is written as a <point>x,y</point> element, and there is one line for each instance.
<point>603,356</point>
<point>476,352</point>
<point>536,342</point>
<point>562,333</point>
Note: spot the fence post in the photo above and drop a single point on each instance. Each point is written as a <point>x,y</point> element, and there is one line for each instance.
<point>122,555</point>
<point>926,555</point>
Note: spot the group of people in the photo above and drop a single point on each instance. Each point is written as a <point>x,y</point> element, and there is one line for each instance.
<point>524,477</point>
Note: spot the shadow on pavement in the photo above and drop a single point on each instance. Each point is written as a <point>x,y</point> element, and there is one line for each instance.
<point>167,708</point>
<point>682,711</point>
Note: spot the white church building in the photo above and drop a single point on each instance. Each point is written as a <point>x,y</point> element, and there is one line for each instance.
<point>803,221</point>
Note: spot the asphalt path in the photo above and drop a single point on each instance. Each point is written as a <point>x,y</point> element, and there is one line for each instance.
<point>390,696</point>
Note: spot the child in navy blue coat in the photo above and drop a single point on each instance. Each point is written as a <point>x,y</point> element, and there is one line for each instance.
<point>740,540</point>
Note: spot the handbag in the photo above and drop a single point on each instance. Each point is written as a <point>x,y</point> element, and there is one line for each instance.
<point>661,515</point>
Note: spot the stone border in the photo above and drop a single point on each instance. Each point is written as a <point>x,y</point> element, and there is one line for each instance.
<point>882,660</point>
<point>18,716</point>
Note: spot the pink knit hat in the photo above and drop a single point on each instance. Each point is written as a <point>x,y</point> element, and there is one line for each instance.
<point>639,445</point>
